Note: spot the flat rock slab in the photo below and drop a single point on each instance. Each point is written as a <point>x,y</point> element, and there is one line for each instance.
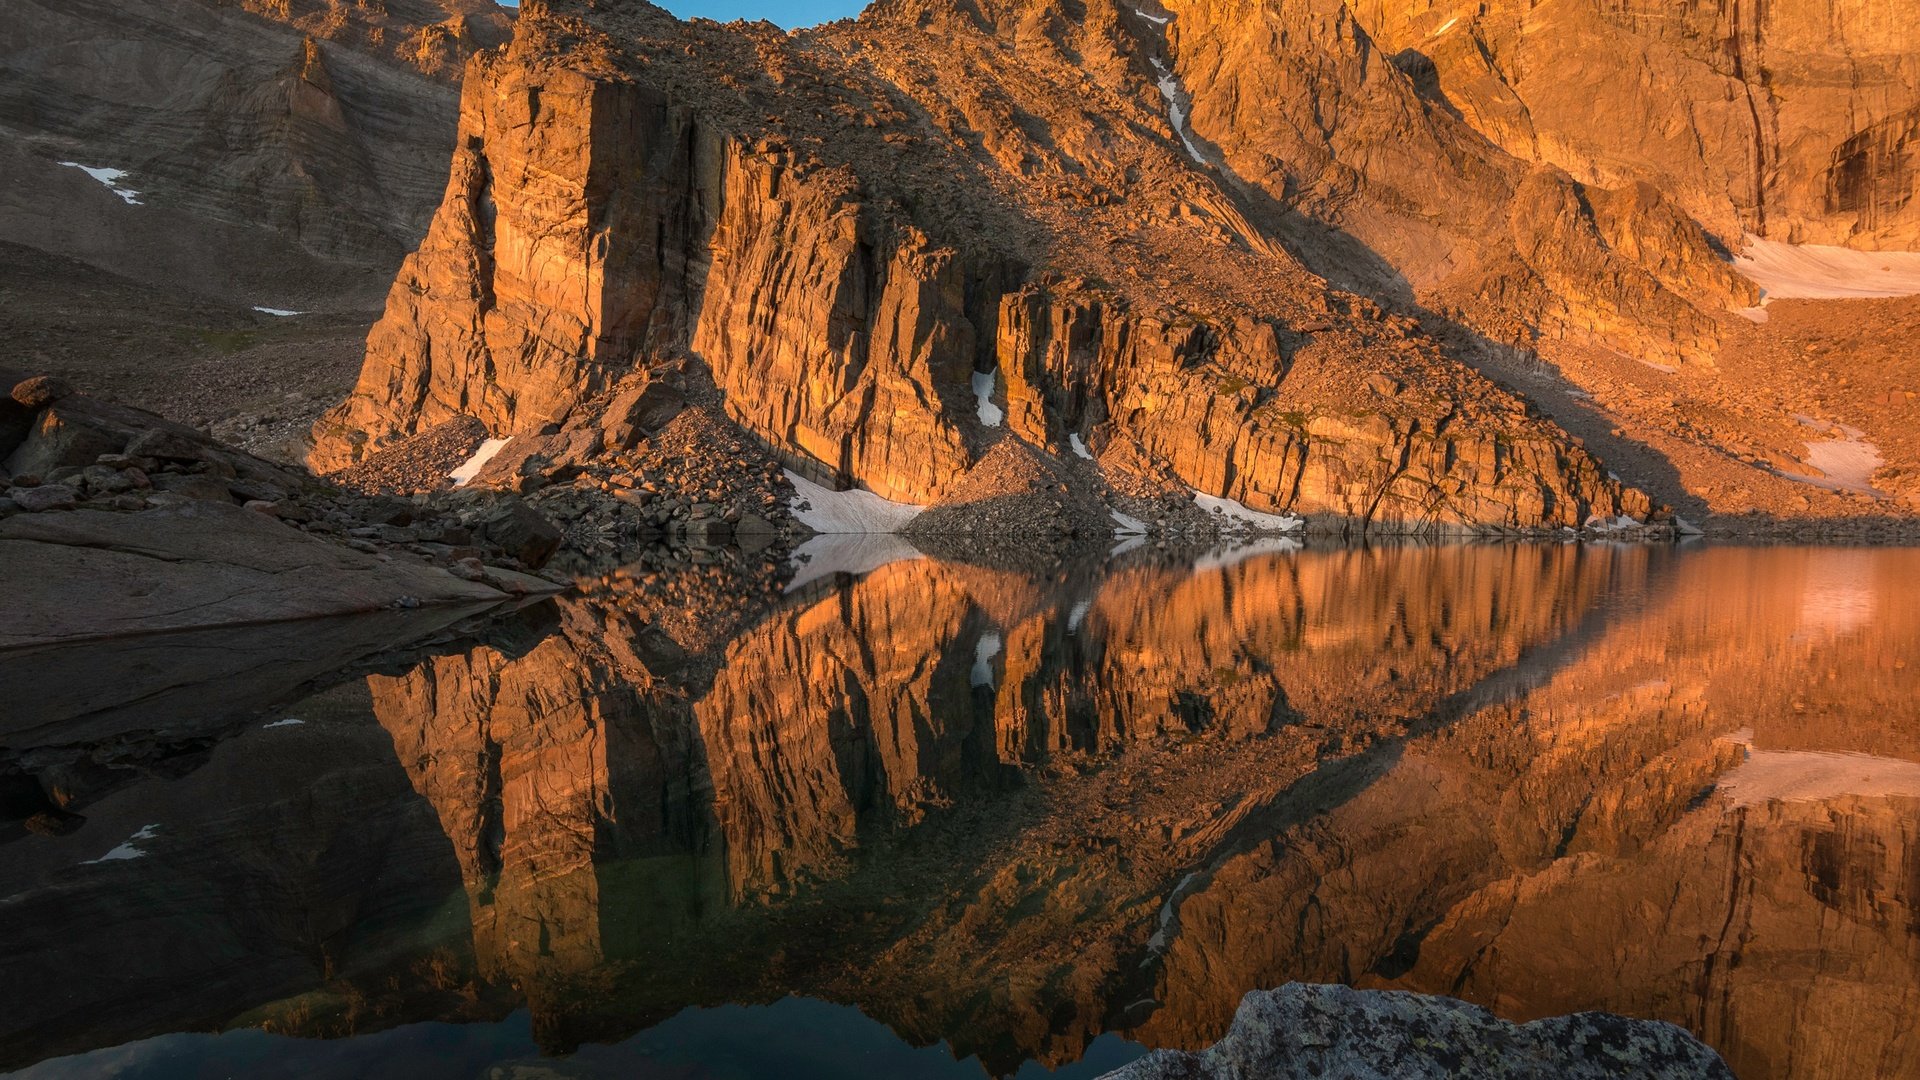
<point>92,574</point>
<point>1303,1030</point>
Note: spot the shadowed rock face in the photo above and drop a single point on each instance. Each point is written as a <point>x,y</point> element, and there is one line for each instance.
<point>278,148</point>
<point>1014,811</point>
<point>845,234</point>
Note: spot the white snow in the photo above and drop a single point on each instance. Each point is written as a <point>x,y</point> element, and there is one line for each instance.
<point>288,722</point>
<point>984,651</point>
<point>111,179</point>
<point>1240,517</point>
<point>1444,27</point>
<point>1078,615</point>
<point>1232,554</point>
<point>1602,523</point>
<point>1129,526</point>
<point>128,850</point>
<point>846,553</point>
<point>1176,109</point>
<point>1079,448</point>
<point>990,414</point>
<point>1157,20</point>
<point>1815,776</point>
<point>1845,462</point>
<point>1818,272</point>
<point>470,468</point>
<point>855,511</point>
<point>282,313</point>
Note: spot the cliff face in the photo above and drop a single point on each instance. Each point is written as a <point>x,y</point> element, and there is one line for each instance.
<point>849,236</point>
<point>1801,120</point>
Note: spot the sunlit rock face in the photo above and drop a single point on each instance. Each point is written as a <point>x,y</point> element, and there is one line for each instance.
<point>1801,118</point>
<point>843,236</point>
<point>1706,815</point>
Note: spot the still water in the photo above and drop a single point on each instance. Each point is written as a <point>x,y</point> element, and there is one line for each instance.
<point>943,820</point>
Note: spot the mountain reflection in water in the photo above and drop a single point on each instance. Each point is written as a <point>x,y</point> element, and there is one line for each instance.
<point>1008,814</point>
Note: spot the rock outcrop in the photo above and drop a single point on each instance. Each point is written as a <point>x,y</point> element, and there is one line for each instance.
<point>115,522</point>
<point>1300,1031</point>
<point>873,258</point>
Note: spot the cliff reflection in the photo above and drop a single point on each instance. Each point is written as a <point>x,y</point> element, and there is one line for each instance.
<point>1013,811</point>
<point>933,768</point>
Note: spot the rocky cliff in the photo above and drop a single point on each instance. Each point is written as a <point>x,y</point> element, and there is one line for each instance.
<point>890,258</point>
<point>1800,123</point>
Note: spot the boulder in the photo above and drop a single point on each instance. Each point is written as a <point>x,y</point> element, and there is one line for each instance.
<point>518,529</point>
<point>41,391</point>
<point>640,410</point>
<point>65,436</point>
<point>168,446</point>
<point>1303,1030</point>
<point>46,497</point>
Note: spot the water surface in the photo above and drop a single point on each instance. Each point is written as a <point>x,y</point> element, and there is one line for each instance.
<point>945,820</point>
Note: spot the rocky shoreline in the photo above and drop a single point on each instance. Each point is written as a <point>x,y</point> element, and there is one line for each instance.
<point>1303,1030</point>
<point>115,521</point>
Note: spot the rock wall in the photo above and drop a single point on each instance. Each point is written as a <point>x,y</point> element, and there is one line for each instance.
<point>1802,120</point>
<point>607,214</point>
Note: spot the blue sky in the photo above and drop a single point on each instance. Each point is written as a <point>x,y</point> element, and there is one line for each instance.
<point>789,14</point>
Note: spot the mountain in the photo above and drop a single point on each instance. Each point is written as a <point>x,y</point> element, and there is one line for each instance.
<point>1244,248</point>
<point>272,151</point>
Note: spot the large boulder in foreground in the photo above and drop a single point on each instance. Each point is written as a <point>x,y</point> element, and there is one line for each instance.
<point>94,573</point>
<point>1339,1033</point>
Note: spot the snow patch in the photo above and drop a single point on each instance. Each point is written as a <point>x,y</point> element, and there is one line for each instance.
<point>1815,776</point>
<point>984,651</point>
<point>1819,272</point>
<point>1845,462</point>
<point>989,413</point>
<point>1232,554</point>
<point>1603,523</point>
<point>1157,20</point>
<point>1078,615</point>
<point>281,313</point>
<point>470,468</point>
<point>855,511</point>
<point>1079,448</point>
<point>1176,97</point>
<point>288,722</point>
<point>1240,518</point>
<point>846,553</point>
<point>1128,526</point>
<point>1445,26</point>
<point>130,849</point>
<point>111,179</point>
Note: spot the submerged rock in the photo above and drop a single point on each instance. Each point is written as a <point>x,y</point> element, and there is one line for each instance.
<point>1306,1030</point>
